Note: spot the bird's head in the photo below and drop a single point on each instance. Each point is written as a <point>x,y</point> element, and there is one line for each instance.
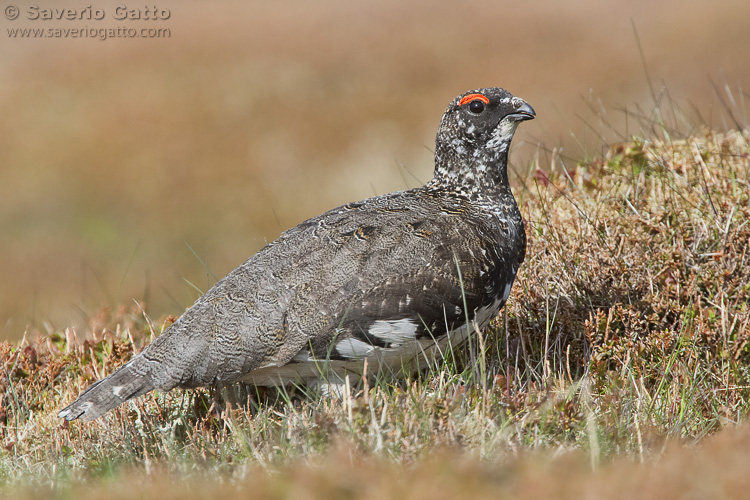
<point>484,119</point>
<point>475,134</point>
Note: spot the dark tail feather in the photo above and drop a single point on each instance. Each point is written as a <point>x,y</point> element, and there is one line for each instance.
<point>107,394</point>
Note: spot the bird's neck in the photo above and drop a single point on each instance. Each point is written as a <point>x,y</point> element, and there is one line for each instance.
<point>473,173</point>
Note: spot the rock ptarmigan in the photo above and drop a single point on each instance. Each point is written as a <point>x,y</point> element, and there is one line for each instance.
<point>391,279</point>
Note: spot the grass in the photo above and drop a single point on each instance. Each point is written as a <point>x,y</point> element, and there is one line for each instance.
<point>625,339</point>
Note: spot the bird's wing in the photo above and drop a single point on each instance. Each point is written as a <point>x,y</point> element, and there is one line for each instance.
<point>419,271</point>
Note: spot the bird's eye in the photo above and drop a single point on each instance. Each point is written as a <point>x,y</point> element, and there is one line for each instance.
<point>476,106</point>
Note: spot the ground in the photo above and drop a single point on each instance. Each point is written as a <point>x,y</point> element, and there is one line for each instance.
<point>620,367</point>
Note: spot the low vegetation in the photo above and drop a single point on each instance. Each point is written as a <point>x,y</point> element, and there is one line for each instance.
<point>625,339</point>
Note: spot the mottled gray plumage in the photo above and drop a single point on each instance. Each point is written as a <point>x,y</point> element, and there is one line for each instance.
<point>391,279</point>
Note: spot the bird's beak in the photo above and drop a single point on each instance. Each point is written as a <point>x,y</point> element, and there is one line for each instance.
<point>525,112</point>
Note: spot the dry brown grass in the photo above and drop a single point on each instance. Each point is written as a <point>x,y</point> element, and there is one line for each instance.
<point>717,468</point>
<point>626,338</point>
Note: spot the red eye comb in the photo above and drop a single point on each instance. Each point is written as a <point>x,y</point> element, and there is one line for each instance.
<point>472,97</point>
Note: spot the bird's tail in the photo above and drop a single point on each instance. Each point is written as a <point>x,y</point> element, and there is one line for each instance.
<point>107,394</point>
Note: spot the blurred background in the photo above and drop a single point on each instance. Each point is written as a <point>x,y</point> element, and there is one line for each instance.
<point>146,168</point>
